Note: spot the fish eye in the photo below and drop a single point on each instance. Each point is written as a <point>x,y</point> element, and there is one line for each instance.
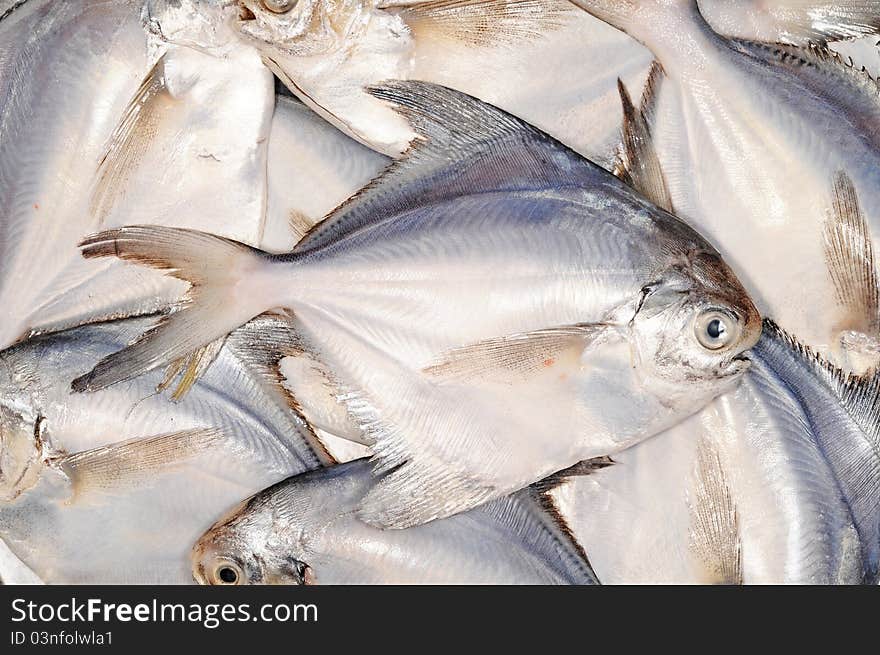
<point>227,573</point>
<point>278,6</point>
<point>715,330</point>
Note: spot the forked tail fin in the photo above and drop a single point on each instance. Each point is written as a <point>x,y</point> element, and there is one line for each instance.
<point>213,306</point>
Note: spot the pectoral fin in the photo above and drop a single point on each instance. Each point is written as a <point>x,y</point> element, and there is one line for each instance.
<point>515,357</point>
<point>130,141</point>
<point>129,464</point>
<point>482,22</point>
<point>714,533</point>
<point>849,255</point>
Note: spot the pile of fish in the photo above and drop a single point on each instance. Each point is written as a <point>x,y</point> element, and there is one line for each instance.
<point>440,291</point>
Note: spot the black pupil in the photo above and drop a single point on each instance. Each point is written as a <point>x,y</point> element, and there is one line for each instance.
<point>228,575</point>
<point>715,328</point>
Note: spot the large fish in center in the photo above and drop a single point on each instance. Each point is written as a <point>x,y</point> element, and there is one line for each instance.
<point>494,308</point>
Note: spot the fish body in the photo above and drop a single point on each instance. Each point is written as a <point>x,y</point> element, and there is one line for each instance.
<point>752,139</point>
<point>113,487</point>
<point>495,286</point>
<point>757,488</point>
<point>305,531</point>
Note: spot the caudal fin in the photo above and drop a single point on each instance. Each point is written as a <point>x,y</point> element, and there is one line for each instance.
<point>212,307</point>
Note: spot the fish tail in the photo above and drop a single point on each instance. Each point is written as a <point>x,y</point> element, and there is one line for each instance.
<point>220,298</point>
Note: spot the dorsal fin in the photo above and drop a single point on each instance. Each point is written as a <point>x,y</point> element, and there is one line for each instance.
<point>464,146</point>
<point>261,344</point>
<point>637,162</point>
<point>811,55</point>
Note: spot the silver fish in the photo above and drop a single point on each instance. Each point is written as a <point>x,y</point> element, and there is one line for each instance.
<point>305,531</point>
<point>775,482</point>
<point>114,487</point>
<point>493,309</point>
<point>773,152</point>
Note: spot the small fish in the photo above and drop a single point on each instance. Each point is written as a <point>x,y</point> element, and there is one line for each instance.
<point>772,151</point>
<point>304,531</point>
<point>114,487</point>
<point>775,482</point>
<point>493,309</point>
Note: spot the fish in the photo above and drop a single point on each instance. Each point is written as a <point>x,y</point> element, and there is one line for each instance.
<point>92,112</point>
<point>113,488</point>
<point>775,482</point>
<point>312,168</point>
<point>304,531</point>
<point>494,286</point>
<point>770,150</point>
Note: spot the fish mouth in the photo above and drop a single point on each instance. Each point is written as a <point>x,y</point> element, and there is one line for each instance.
<point>245,14</point>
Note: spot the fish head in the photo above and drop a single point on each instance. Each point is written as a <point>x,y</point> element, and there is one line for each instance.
<point>327,52</point>
<point>21,450</point>
<point>248,546</point>
<point>692,330</point>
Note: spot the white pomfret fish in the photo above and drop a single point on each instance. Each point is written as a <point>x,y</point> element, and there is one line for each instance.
<point>164,127</point>
<point>773,152</point>
<point>494,286</point>
<point>305,531</point>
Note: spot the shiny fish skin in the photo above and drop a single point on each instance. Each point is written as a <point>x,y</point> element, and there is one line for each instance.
<point>140,531</point>
<point>305,531</point>
<point>618,310</point>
